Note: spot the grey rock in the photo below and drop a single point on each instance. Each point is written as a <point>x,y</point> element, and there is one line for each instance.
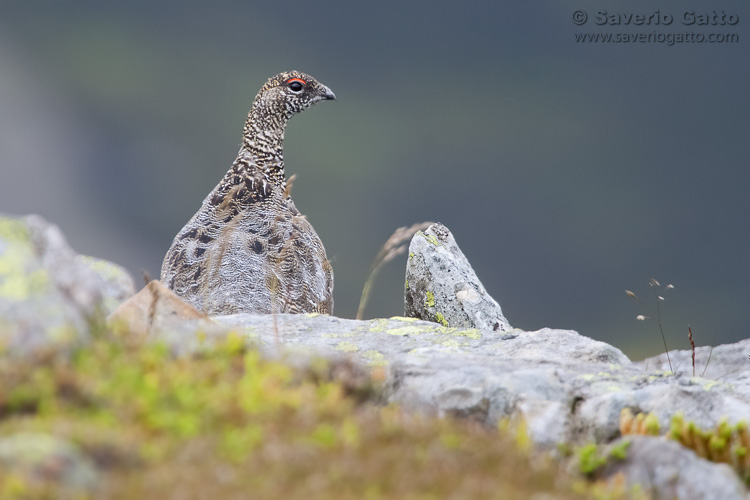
<point>481,374</point>
<point>662,468</point>
<point>441,285</point>
<point>114,282</point>
<point>568,388</point>
<point>727,364</point>
<point>157,311</point>
<point>46,459</point>
<point>49,295</point>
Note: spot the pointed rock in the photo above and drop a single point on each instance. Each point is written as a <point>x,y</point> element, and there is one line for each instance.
<point>441,285</point>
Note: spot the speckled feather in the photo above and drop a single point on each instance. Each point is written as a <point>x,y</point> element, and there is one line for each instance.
<point>248,249</point>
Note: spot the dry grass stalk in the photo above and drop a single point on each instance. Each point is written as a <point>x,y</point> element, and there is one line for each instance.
<point>393,247</point>
<point>709,360</point>
<point>289,183</point>
<point>654,284</point>
<point>692,347</point>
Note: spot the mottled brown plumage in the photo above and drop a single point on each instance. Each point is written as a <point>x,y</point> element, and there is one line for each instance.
<point>248,249</point>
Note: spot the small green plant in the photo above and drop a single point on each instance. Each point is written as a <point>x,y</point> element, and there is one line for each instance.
<point>642,423</point>
<point>591,459</point>
<point>726,443</point>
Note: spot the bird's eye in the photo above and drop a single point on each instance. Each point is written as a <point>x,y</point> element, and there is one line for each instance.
<point>295,84</point>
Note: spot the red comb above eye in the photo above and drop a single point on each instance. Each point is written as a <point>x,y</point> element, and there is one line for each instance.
<point>297,80</point>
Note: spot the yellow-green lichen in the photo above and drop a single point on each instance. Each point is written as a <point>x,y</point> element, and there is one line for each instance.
<point>338,335</point>
<point>18,279</point>
<point>15,285</point>
<point>13,230</point>
<point>472,333</point>
<point>346,347</point>
<point>455,337</point>
<point>706,383</point>
<point>378,326</point>
<point>375,358</point>
<point>312,315</point>
<point>441,319</point>
<point>429,299</point>
<point>450,343</point>
<point>411,255</point>
<point>408,330</point>
<point>430,238</point>
<point>103,268</point>
<point>406,283</point>
<point>385,326</point>
<point>404,318</point>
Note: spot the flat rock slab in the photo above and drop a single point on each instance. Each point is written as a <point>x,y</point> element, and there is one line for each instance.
<point>398,336</point>
<point>569,388</point>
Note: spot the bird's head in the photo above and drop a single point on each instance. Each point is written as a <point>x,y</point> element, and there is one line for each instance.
<point>290,92</point>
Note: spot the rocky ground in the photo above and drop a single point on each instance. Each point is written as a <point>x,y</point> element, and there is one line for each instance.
<point>665,434</point>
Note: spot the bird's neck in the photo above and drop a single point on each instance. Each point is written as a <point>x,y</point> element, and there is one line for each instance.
<point>263,140</point>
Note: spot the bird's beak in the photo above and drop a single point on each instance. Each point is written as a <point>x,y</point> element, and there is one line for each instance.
<point>328,94</point>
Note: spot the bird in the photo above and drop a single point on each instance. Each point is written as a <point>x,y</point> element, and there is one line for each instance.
<point>248,249</point>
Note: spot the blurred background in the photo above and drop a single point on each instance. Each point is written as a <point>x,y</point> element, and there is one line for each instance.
<point>568,172</point>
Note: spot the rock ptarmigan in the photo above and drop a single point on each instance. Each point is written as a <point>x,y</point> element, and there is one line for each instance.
<point>248,249</point>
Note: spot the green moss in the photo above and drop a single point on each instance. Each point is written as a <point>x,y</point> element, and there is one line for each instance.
<point>429,299</point>
<point>726,443</point>
<point>589,459</point>
<point>652,424</point>
<point>620,451</point>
